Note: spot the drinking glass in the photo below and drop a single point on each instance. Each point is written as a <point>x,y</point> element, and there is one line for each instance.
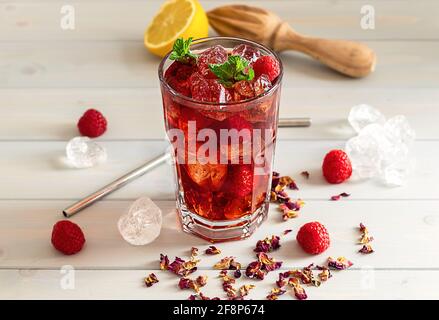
<point>223,191</point>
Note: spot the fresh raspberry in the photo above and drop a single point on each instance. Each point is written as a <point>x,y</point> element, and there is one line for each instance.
<point>67,237</point>
<point>179,70</point>
<point>177,76</point>
<point>241,180</point>
<point>92,124</point>
<point>313,237</point>
<point>336,166</point>
<point>267,65</point>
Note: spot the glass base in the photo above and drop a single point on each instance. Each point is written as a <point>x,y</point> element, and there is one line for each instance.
<point>221,230</point>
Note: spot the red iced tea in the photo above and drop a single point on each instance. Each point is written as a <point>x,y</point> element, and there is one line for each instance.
<point>221,105</point>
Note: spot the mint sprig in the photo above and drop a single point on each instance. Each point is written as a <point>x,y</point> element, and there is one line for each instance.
<point>236,68</point>
<point>181,51</point>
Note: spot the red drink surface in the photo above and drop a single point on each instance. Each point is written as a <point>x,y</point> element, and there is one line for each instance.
<point>222,189</point>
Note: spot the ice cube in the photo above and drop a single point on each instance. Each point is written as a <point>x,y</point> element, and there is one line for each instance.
<point>210,176</point>
<point>364,155</point>
<point>400,130</point>
<point>396,173</point>
<point>247,52</point>
<point>214,55</point>
<point>362,115</point>
<point>381,148</point>
<point>208,90</point>
<point>82,152</point>
<point>142,223</point>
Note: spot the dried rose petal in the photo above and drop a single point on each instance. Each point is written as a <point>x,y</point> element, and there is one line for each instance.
<point>203,297</point>
<point>183,268</point>
<point>293,186</point>
<point>268,263</point>
<point>234,265</point>
<point>362,227</point>
<point>245,289</point>
<point>365,238</point>
<point>283,279</point>
<point>305,174</point>
<point>274,182</point>
<point>282,197</point>
<point>299,292</point>
<point>339,196</point>
<point>227,263</point>
<point>275,293</point>
<point>224,263</point>
<point>268,244</point>
<point>287,181</point>
<point>237,274</point>
<point>262,245</point>
<point>366,249</point>
<point>228,284</point>
<point>194,252</point>
<point>212,250</point>
<point>201,281</point>
<point>185,283</point>
<point>310,275</point>
<point>287,232</point>
<point>290,209</point>
<point>164,262</point>
<point>325,273</point>
<point>340,264</point>
<point>150,280</point>
<point>253,271</point>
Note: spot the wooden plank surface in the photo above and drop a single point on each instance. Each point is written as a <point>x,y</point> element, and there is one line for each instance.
<point>126,64</point>
<point>137,113</point>
<point>48,77</point>
<point>108,20</point>
<point>406,233</point>
<point>37,170</point>
<point>102,284</point>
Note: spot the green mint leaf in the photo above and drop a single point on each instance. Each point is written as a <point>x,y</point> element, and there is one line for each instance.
<point>181,51</point>
<point>250,74</point>
<point>234,69</point>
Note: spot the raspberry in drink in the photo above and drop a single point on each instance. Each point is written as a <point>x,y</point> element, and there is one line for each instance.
<point>221,118</point>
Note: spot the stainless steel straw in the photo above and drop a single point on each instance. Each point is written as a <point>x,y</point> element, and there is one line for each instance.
<point>117,184</point>
<point>140,171</point>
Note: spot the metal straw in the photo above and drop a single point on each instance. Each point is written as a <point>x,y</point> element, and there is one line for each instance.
<point>113,186</point>
<point>140,171</point>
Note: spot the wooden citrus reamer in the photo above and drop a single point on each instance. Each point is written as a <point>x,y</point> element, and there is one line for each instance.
<point>347,57</point>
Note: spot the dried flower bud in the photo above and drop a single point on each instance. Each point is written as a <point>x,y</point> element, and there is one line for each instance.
<point>150,280</point>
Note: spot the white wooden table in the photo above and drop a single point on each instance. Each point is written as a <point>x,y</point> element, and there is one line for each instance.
<point>50,76</point>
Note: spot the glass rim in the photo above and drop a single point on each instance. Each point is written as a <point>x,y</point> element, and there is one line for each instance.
<point>207,103</point>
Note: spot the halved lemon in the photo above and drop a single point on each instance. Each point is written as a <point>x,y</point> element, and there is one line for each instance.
<point>175,19</point>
